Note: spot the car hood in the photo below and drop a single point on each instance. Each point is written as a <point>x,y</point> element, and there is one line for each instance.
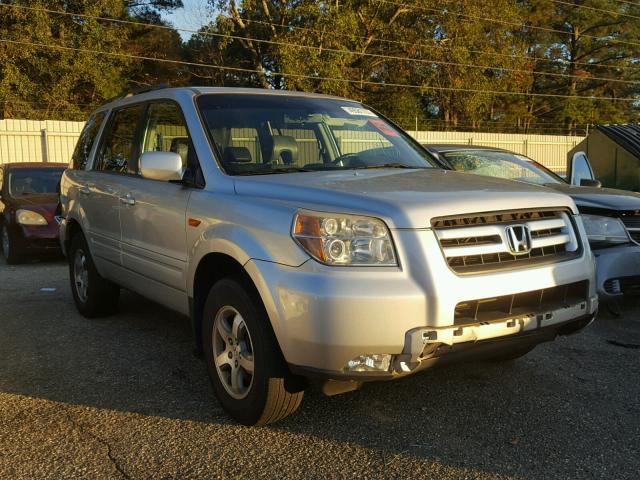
<point>404,198</point>
<point>600,198</point>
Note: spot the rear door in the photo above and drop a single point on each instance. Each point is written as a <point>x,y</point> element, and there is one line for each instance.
<point>100,191</point>
<point>153,214</point>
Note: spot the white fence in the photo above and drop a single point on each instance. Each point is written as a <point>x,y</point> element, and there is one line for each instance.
<point>38,141</point>
<point>54,141</point>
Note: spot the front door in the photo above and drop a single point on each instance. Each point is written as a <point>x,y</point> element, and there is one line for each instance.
<point>153,214</point>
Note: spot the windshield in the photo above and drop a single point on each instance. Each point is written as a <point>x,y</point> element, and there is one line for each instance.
<point>493,163</point>
<point>34,181</point>
<point>265,134</point>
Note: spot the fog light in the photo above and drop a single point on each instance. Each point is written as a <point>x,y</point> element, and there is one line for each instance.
<point>377,362</point>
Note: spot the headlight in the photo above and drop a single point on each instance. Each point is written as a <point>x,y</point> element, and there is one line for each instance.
<point>605,229</point>
<point>337,239</point>
<point>27,217</point>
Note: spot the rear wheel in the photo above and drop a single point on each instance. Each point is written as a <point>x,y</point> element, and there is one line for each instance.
<point>94,295</point>
<point>244,361</point>
<point>9,252</point>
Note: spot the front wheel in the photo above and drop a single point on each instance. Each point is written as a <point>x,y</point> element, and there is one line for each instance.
<point>243,358</point>
<point>9,252</point>
<point>94,296</point>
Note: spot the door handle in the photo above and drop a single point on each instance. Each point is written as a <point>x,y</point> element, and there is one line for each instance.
<point>128,199</point>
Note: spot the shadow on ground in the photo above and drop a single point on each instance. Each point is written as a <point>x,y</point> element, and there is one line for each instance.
<point>576,396</point>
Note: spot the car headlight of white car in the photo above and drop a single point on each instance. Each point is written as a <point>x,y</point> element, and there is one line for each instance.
<point>29,217</point>
<point>605,230</point>
<point>347,240</point>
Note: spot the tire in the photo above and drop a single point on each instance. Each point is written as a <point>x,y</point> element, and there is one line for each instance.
<point>94,296</point>
<point>9,251</point>
<point>256,398</point>
<point>513,354</point>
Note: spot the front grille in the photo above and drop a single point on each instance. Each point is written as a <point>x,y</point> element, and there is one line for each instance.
<point>478,243</point>
<point>632,222</point>
<point>630,284</point>
<point>520,304</point>
<point>492,218</point>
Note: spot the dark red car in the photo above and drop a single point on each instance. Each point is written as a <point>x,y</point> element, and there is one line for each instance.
<point>28,201</point>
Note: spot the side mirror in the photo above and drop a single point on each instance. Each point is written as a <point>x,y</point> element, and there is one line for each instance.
<point>163,166</point>
<point>587,182</point>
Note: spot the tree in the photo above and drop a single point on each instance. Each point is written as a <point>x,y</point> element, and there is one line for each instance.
<point>586,41</point>
<point>54,72</point>
<point>42,82</point>
<point>157,40</point>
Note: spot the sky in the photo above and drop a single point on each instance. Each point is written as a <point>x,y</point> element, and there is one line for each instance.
<point>192,16</point>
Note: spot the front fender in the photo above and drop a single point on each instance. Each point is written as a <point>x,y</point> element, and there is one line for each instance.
<point>75,214</point>
<point>242,245</point>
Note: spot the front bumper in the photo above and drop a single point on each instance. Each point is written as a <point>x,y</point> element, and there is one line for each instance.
<point>617,271</point>
<point>323,317</point>
<point>443,354</point>
<point>36,239</point>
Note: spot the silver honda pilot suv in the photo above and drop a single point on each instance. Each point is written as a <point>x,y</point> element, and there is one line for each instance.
<point>308,237</point>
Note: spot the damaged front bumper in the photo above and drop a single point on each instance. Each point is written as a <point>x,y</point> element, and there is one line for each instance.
<point>427,347</point>
<point>422,344</point>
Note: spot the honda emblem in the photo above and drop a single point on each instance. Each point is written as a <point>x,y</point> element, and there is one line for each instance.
<point>519,239</point>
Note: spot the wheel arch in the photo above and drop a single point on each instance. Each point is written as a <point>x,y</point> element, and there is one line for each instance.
<point>72,228</point>
<point>211,268</point>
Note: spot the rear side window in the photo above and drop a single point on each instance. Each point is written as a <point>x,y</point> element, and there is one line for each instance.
<point>119,143</point>
<point>85,142</point>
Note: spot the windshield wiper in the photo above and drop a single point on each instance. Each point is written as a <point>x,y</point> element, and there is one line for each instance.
<point>388,165</point>
<point>277,170</point>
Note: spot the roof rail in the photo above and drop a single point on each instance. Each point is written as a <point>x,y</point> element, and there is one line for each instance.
<point>137,91</point>
<point>150,88</point>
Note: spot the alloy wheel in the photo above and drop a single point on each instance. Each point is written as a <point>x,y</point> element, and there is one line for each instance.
<point>81,275</point>
<point>233,352</point>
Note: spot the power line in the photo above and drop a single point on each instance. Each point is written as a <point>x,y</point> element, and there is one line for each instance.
<point>315,77</point>
<point>437,46</point>
<point>505,22</point>
<point>595,9</point>
<point>336,50</point>
<point>600,10</point>
<point>40,103</point>
<point>627,2</point>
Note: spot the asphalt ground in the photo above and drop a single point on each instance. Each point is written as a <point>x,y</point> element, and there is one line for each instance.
<point>123,397</point>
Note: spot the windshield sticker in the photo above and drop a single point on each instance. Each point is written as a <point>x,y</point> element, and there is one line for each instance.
<point>362,112</point>
<point>383,128</point>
